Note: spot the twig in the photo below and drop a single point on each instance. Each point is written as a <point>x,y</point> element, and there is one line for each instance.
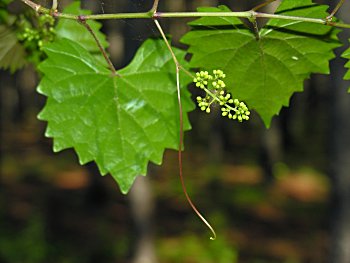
<point>339,5</point>
<point>33,5</point>
<point>54,5</point>
<point>178,67</point>
<point>302,19</point>
<point>82,20</point>
<point>154,7</point>
<point>263,5</point>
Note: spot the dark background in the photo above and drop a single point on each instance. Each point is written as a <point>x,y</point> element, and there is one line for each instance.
<point>277,195</point>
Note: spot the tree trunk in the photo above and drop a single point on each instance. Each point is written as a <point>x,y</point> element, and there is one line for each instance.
<point>142,205</point>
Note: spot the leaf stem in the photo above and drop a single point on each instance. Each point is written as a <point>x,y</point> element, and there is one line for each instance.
<point>81,19</point>
<point>263,5</point>
<point>178,67</point>
<point>167,43</point>
<point>150,15</point>
<point>252,20</point>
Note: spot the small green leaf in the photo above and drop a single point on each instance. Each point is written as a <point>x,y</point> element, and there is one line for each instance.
<point>120,122</point>
<point>266,72</point>
<point>346,55</point>
<point>73,30</point>
<point>12,53</point>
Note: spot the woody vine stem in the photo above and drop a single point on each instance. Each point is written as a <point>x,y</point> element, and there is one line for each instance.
<point>154,14</point>
<point>252,15</point>
<point>178,67</point>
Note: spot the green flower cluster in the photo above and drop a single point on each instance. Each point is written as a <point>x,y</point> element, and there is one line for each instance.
<point>214,87</point>
<point>202,79</point>
<point>35,37</point>
<point>34,34</point>
<point>240,111</point>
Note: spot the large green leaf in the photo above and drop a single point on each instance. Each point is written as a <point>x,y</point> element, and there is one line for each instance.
<point>346,54</point>
<point>266,72</point>
<point>73,30</point>
<point>120,122</point>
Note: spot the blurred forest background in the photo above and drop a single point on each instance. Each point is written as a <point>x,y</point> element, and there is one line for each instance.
<point>274,196</point>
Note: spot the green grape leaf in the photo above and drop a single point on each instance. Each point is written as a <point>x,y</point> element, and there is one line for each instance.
<point>73,30</point>
<point>120,122</point>
<point>266,72</point>
<point>12,53</point>
<point>346,55</point>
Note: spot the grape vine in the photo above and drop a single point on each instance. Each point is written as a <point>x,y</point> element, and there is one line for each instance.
<point>120,130</point>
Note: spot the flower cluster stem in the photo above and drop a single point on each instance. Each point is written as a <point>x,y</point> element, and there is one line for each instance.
<point>263,5</point>
<point>216,98</point>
